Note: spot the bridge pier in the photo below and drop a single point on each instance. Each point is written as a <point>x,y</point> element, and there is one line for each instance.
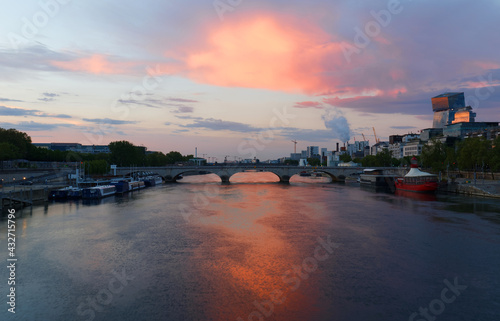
<point>224,179</point>
<point>339,179</point>
<point>285,179</point>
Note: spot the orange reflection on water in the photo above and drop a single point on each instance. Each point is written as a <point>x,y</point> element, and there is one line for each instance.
<point>252,251</point>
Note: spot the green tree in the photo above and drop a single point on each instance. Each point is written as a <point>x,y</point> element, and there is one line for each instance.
<point>8,151</point>
<point>395,162</point>
<point>451,159</point>
<point>346,158</point>
<point>156,159</point>
<point>20,142</point>
<point>495,155</point>
<point>96,167</point>
<point>384,158</point>
<point>434,155</point>
<point>174,156</point>
<point>313,161</point>
<point>369,161</point>
<point>473,153</point>
<point>124,153</point>
<point>291,162</point>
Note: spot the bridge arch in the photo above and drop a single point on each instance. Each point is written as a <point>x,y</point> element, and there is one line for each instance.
<point>262,170</point>
<point>175,176</point>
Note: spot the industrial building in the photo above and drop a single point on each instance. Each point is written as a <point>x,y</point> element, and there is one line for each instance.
<point>75,147</point>
<point>358,149</point>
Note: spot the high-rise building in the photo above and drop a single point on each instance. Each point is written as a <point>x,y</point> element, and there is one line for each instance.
<point>313,151</point>
<point>449,108</point>
<point>357,149</point>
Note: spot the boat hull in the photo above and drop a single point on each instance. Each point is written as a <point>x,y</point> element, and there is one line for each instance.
<point>58,194</point>
<point>424,187</point>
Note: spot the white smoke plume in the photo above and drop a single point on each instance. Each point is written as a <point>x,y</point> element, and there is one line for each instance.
<point>336,122</point>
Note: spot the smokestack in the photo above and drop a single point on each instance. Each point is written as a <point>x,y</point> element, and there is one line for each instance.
<point>196,152</point>
<point>337,147</point>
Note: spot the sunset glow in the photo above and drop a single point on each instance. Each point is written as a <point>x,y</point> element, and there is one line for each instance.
<point>171,76</point>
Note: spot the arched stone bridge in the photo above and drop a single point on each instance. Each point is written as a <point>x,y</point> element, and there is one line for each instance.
<point>284,173</point>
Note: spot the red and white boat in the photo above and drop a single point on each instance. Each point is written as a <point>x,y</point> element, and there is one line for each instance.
<point>417,181</point>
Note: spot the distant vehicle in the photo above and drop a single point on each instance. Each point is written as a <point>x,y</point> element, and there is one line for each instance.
<point>26,183</point>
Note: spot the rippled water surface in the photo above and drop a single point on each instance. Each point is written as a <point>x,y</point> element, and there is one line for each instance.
<point>250,250</point>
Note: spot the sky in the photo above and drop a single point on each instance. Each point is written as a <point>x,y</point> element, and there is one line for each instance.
<point>239,79</point>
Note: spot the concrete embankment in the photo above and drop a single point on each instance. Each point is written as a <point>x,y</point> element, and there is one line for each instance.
<point>486,188</point>
<point>21,196</point>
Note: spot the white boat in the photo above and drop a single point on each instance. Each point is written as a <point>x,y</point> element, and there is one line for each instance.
<point>98,191</point>
<point>152,180</point>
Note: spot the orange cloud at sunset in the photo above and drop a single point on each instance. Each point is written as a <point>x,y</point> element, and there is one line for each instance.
<point>263,51</point>
<point>95,64</point>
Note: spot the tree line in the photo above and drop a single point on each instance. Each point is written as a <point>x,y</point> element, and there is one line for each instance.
<point>470,154</point>
<point>17,145</point>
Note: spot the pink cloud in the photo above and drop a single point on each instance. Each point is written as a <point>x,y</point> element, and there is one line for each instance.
<point>309,104</point>
<point>266,51</point>
<point>483,65</point>
<point>95,64</point>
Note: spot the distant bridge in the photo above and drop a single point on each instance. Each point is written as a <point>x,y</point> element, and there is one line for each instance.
<point>225,171</point>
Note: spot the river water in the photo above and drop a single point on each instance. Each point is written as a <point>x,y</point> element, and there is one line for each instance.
<point>250,250</point>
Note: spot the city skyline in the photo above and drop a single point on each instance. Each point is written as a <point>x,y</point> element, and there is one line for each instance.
<point>241,78</point>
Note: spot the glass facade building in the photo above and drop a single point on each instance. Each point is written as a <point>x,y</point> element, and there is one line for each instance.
<point>461,129</point>
<point>449,108</point>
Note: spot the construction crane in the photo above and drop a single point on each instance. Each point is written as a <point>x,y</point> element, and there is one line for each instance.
<point>294,146</point>
<point>364,139</point>
<point>375,134</point>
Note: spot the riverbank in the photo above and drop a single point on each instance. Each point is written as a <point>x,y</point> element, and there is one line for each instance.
<point>485,188</point>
